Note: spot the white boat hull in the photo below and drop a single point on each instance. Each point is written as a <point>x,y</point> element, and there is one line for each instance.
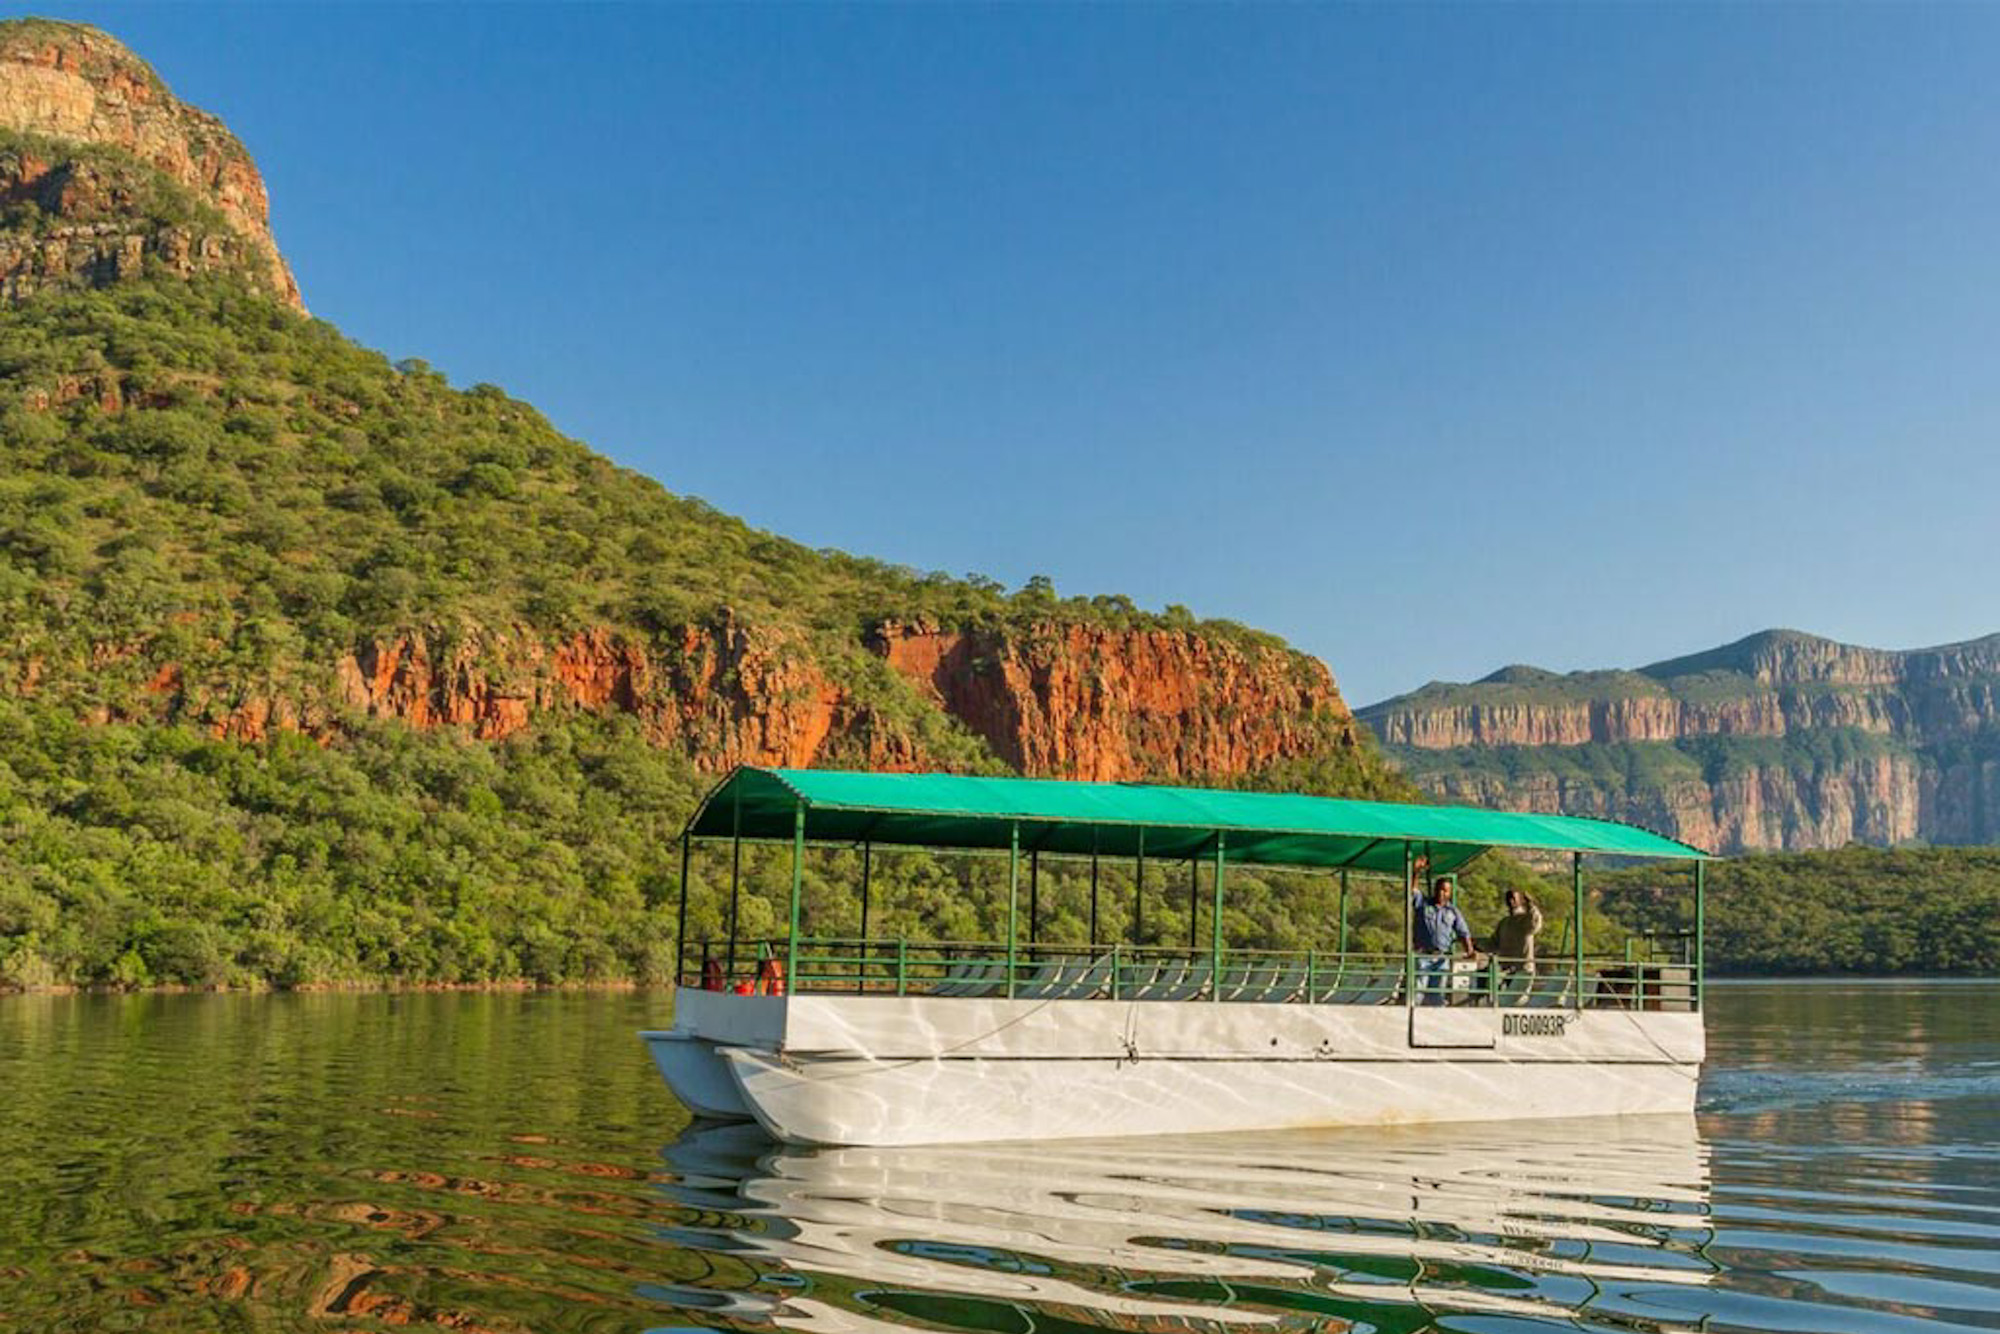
<point>697,1073</point>
<point>884,1070</point>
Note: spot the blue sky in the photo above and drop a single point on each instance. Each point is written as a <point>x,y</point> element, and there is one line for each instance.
<point>1431,338</point>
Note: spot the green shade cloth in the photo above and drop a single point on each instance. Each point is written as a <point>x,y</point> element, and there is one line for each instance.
<point>1264,828</point>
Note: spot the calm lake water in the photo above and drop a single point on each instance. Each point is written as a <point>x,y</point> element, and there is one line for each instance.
<point>512,1162</point>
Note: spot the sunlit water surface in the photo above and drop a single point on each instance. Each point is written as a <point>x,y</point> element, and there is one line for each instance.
<point>512,1163</point>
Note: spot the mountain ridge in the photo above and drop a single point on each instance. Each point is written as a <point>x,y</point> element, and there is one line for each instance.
<point>1780,740</point>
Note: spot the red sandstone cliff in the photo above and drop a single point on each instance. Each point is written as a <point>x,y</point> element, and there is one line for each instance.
<point>1069,700</point>
<point>1084,701</point>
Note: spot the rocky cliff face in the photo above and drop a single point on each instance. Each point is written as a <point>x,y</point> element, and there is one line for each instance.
<point>1092,702</point>
<point>1782,740</point>
<point>1879,799</point>
<point>1052,699</point>
<point>1059,700</point>
<point>178,189</point>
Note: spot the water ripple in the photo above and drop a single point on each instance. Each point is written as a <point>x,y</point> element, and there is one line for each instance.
<point>1585,1224</point>
<point>495,1163</point>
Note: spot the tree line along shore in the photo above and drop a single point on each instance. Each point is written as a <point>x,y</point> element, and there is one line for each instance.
<point>144,856</point>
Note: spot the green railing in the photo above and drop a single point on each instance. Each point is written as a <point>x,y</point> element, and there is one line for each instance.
<point>1644,979</point>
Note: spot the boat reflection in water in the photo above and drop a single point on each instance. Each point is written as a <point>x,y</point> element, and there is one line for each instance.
<point>1585,1224</point>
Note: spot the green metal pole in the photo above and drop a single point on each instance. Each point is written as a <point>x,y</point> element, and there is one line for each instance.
<point>861,969</point>
<point>1013,900</point>
<point>681,917</point>
<point>1700,936</point>
<point>1409,929</point>
<point>735,883</point>
<point>1215,926</point>
<point>798,894</point>
<point>1343,912</point>
<point>1576,908</point>
<point>1340,957</point>
<point>866,850</point>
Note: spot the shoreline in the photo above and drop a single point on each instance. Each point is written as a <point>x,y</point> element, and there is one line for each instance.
<point>389,986</point>
<point>357,988</point>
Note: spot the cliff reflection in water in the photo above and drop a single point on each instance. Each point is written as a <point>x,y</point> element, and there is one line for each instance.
<point>1598,1224</point>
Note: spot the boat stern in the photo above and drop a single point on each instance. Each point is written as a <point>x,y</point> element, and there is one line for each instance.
<point>689,1056</point>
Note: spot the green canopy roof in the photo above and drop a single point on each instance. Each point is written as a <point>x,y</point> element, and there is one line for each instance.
<point>1267,828</point>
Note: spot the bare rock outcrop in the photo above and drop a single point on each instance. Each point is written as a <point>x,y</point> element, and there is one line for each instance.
<point>1107,704</point>
<point>1781,740</point>
<point>100,218</point>
<point>1068,700</point>
<point>729,692</point>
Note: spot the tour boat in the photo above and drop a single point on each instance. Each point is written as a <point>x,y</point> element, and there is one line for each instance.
<point>888,1040</point>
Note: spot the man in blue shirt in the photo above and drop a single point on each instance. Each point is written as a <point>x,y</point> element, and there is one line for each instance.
<point>1437,924</point>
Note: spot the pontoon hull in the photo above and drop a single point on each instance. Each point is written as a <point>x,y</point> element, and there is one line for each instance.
<point>697,1073</point>
<point>884,1070</point>
<point>834,1101</point>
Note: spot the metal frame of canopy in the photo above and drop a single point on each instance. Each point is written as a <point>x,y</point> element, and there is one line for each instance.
<point>974,814</point>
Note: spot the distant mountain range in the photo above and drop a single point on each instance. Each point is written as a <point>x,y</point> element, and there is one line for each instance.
<point>1781,740</point>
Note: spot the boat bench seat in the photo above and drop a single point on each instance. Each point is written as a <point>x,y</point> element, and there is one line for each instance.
<point>973,977</point>
<point>1075,979</point>
<point>1174,980</point>
<point>1264,983</point>
<point>1363,986</point>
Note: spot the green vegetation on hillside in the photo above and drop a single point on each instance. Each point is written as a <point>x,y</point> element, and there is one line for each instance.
<point>192,473</point>
<point>1855,910</point>
<point>142,853</point>
<point>205,496</point>
<point>119,181</point>
<point>270,477</point>
<point>266,495</point>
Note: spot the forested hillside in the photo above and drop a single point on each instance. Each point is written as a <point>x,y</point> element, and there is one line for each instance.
<point>1852,910</point>
<point>317,669</point>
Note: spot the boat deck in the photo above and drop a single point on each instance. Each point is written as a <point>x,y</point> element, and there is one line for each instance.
<point>1638,980</point>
